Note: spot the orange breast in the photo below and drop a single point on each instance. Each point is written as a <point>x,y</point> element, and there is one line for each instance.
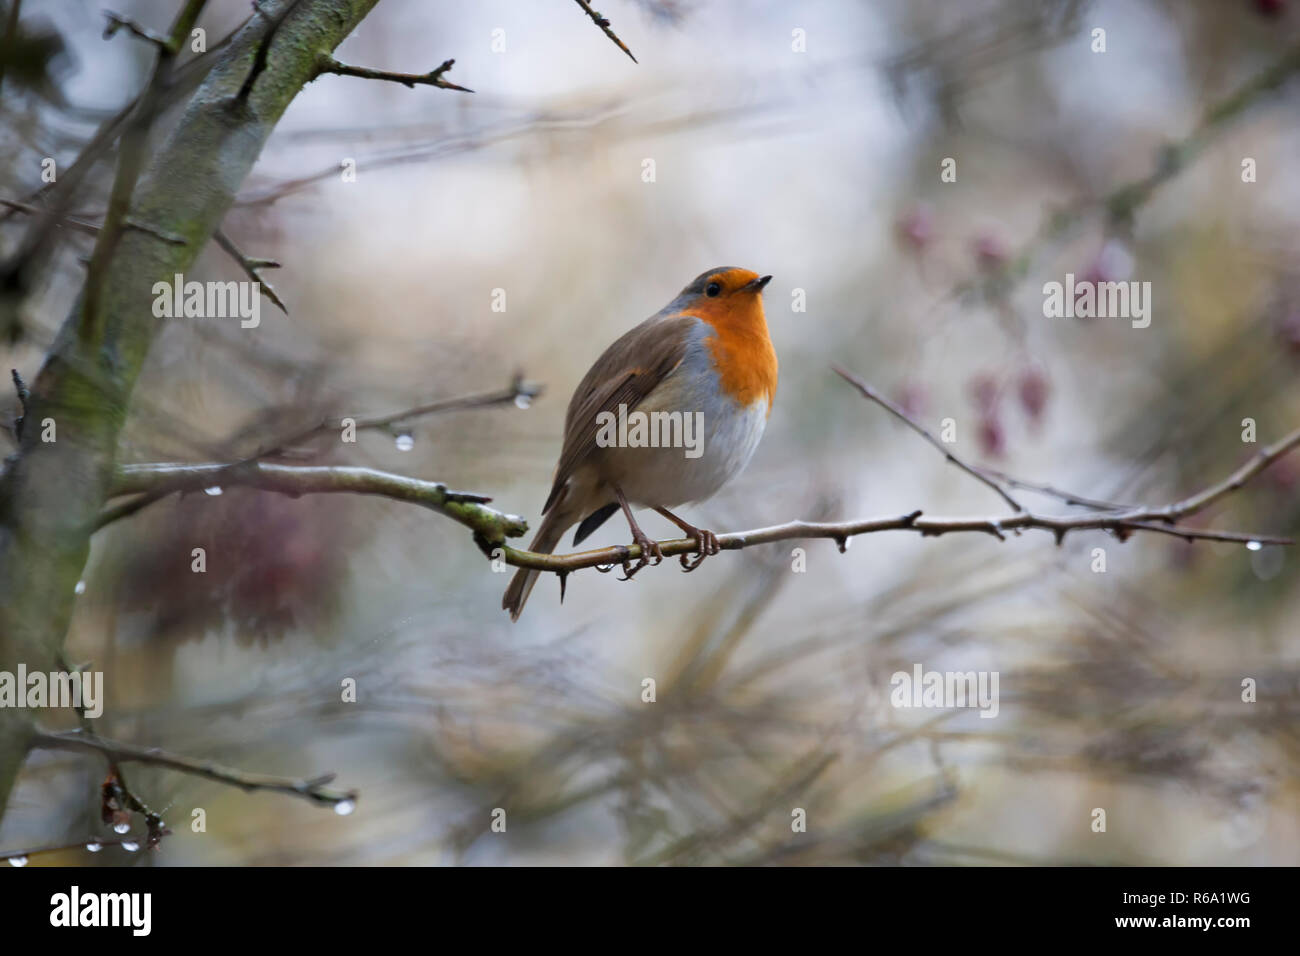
<point>742,349</point>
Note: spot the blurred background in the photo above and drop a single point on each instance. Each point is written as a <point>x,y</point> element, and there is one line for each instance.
<point>804,141</point>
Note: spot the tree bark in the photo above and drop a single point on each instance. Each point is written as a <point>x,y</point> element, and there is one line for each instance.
<point>51,492</point>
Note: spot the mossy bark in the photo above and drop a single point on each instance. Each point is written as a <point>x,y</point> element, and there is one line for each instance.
<point>52,492</point>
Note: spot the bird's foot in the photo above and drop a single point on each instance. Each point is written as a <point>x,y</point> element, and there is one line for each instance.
<point>707,544</point>
<point>649,549</point>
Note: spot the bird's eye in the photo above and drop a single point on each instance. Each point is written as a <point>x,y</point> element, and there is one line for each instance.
<point>712,290</point>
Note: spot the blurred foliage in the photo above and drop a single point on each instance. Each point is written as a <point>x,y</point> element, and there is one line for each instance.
<point>1119,690</point>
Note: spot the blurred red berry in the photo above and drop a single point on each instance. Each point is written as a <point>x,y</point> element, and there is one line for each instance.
<point>1283,475</point>
<point>915,227</point>
<point>983,390</point>
<point>913,398</point>
<point>1288,332</point>
<point>1270,8</point>
<point>1112,263</point>
<point>990,251</point>
<point>992,437</point>
<point>1033,389</point>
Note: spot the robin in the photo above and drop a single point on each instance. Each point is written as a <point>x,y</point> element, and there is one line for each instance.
<point>704,370</point>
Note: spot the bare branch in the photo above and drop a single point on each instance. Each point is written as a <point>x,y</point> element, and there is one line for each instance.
<point>77,225</point>
<point>841,532</point>
<point>870,393</point>
<point>467,508</point>
<point>118,22</point>
<point>314,790</point>
<point>251,267</point>
<point>605,28</point>
<point>492,527</point>
<point>410,80</point>
<point>519,392</point>
<point>1068,497</point>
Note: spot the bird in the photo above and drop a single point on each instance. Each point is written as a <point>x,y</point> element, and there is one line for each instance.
<point>705,357</point>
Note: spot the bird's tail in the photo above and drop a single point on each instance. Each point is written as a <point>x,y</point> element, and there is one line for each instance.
<point>554,525</point>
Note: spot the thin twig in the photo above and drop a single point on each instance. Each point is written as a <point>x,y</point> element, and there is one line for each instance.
<point>1068,497</point>
<point>519,390</point>
<point>118,22</point>
<point>251,267</point>
<point>870,393</point>
<point>410,80</point>
<point>467,508</point>
<point>314,790</point>
<point>72,222</point>
<point>116,796</point>
<point>605,28</point>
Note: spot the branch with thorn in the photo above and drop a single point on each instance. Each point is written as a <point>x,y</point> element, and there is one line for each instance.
<point>314,789</point>
<point>600,21</point>
<point>465,507</point>
<point>410,80</point>
<point>493,528</point>
<point>252,267</point>
<point>118,22</point>
<point>172,479</point>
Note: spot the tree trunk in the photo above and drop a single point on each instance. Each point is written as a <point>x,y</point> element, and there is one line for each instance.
<point>51,492</point>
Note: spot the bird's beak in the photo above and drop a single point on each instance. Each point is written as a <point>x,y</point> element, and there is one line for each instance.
<point>757,285</point>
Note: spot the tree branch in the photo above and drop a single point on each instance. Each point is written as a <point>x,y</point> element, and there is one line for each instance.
<point>492,527</point>
<point>410,80</point>
<point>518,392</point>
<point>467,508</point>
<point>870,393</point>
<point>314,790</point>
<point>605,28</point>
<point>118,22</point>
<point>251,267</point>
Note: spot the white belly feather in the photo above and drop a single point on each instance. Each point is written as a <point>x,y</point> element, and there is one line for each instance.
<point>730,432</point>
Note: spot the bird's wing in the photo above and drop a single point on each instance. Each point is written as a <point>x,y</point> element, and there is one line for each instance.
<point>625,374</point>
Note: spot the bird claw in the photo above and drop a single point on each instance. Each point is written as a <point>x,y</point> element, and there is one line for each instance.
<point>707,545</point>
<point>648,549</point>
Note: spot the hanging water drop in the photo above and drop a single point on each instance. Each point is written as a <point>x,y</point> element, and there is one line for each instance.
<point>130,846</point>
<point>94,847</point>
<point>1253,546</point>
<point>17,861</point>
<point>345,807</point>
<point>213,491</point>
<point>523,401</point>
<point>121,827</point>
<point>405,441</point>
<point>80,588</point>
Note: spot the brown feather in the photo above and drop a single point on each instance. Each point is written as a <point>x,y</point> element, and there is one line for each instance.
<point>626,373</point>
